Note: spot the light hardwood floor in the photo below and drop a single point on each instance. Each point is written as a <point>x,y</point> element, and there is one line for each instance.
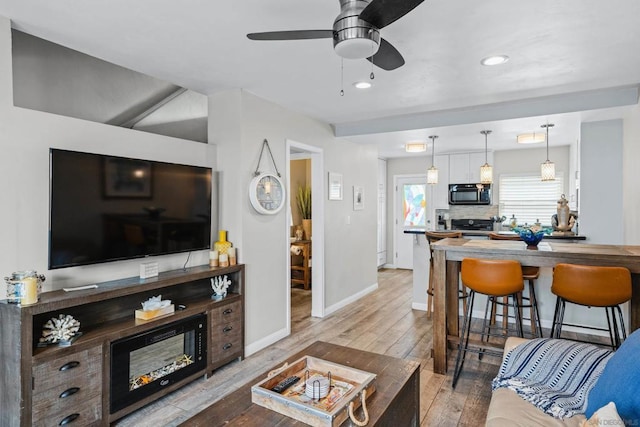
<point>382,322</point>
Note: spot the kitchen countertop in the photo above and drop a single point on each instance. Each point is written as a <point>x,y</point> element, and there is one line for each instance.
<point>486,234</point>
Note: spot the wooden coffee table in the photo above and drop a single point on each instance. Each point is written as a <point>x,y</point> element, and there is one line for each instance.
<point>396,401</point>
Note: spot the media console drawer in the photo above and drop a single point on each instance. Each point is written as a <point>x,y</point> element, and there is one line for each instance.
<point>226,333</point>
<point>69,387</point>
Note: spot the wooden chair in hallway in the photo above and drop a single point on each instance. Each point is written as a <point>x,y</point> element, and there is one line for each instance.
<point>432,237</point>
<point>530,274</point>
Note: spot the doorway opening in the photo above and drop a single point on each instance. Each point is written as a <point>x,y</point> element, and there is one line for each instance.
<point>305,169</point>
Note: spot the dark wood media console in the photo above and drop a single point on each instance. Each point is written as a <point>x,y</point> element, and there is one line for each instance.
<point>71,385</point>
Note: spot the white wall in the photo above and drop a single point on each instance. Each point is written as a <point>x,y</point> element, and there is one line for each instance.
<point>25,139</point>
<point>238,124</point>
<point>601,151</point>
<point>631,177</point>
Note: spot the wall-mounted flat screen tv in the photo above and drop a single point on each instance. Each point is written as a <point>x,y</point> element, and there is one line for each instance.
<point>108,208</point>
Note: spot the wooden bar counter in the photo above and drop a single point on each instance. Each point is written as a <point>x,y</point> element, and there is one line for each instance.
<point>448,254</point>
<point>396,401</point>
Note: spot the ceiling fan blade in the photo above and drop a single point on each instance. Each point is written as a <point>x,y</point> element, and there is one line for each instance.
<point>387,57</point>
<point>292,35</point>
<point>381,13</point>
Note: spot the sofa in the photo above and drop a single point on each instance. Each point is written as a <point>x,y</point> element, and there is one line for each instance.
<point>606,391</point>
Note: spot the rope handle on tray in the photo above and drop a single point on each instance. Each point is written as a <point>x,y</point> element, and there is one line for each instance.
<point>365,421</point>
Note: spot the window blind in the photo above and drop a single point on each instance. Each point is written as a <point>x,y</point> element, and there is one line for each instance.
<point>529,198</point>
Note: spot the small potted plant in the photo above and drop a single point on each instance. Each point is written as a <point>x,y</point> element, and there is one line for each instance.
<point>303,200</point>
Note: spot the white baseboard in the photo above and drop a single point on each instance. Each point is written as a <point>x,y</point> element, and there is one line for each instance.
<point>266,341</point>
<point>352,298</point>
<point>419,306</point>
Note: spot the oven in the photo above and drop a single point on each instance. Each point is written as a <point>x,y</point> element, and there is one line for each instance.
<point>470,194</point>
<point>472,224</point>
<point>146,363</point>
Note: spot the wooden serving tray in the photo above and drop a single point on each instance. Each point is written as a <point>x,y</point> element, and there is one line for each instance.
<point>347,385</point>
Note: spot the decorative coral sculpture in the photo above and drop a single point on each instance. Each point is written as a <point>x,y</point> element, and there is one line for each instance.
<point>62,328</point>
<point>220,286</point>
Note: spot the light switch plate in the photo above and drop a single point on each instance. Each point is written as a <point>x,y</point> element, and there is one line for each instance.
<point>148,269</point>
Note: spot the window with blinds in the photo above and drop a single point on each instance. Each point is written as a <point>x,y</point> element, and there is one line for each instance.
<point>529,198</point>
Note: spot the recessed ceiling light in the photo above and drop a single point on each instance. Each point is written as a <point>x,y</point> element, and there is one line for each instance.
<point>415,147</point>
<point>530,138</point>
<point>494,60</point>
<point>362,85</point>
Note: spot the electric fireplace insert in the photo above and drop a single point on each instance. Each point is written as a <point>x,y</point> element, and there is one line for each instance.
<point>146,363</point>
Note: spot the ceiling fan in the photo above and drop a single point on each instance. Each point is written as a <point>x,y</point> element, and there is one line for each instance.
<point>356,31</point>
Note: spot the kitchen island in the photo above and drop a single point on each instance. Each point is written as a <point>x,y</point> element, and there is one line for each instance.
<point>421,265</point>
<point>448,254</point>
<point>546,300</point>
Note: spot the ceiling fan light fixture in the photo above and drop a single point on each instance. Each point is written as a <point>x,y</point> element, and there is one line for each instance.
<point>358,48</point>
<point>494,60</point>
<point>415,147</point>
<point>530,138</point>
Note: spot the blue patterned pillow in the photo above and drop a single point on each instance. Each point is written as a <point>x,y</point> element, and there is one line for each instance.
<point>620,382</point>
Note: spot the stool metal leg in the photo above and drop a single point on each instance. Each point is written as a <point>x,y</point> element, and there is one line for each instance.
<point>464,339</point>
<point>534,311</point>
<point>517,313</point>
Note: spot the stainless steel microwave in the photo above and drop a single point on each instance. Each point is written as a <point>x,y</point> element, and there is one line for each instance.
<point>470,194</point>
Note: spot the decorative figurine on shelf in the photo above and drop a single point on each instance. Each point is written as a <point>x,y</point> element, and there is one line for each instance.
<point>299,233</point>
<point>61,330</point>
<point>219,286</point>
<point>564,220</point>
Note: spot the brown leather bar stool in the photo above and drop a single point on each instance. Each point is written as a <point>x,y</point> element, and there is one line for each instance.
<point>592,286</point>
<point>432,237</point>
<point>495,279</point>
<point>529,274</point>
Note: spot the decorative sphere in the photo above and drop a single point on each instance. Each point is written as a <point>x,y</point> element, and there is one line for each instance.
<point>531,238</point>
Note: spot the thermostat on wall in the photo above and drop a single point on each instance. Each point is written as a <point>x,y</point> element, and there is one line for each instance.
<point>148,269</point>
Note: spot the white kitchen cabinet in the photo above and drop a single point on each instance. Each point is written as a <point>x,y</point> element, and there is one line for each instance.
<point>441,189</point>
<point>382,212</point>
<point>464,168</point>
<point>476,160</point>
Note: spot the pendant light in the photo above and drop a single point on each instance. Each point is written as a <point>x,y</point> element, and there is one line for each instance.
<point>548,168</point>
<point>486,171</point>
<point>432,172</point>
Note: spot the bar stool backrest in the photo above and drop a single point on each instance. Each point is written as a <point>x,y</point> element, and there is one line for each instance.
<point>589,285</point>
<point>434,236</point>
<point>492,277</point>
